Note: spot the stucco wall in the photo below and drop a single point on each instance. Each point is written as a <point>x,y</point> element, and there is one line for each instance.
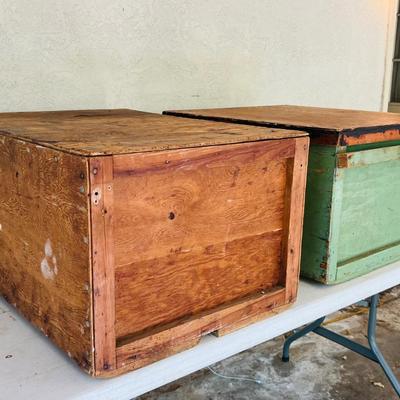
<point>159,54</point>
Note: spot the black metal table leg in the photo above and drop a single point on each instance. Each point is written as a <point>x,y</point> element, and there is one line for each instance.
<point>373,352</point>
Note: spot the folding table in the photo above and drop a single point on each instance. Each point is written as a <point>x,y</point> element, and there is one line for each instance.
<point>31,367</point>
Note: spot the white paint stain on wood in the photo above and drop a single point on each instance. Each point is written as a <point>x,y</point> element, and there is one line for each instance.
<point>48,266</point>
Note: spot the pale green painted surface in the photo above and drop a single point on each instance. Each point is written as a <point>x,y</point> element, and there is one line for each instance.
<point>370,215</point>
<point>352,215</point>
<point>335,224</point>
<point>361,266</point>
<point>368,157</point>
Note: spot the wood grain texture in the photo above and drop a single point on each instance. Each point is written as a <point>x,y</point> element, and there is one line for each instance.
<point>327,126</point>
<point>106,132</point>
<point>161,344</point>
<point>102,199</point>
<point>208,229</point>
<point>299,117</point>
<point>44,243</point>
<point>293,220</point>
<point>273,308</point>
<point>387,135</point>
<point>157,292</point>
<point>152,186</point>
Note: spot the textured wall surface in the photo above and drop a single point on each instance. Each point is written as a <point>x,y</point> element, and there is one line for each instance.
<point>159,54</point>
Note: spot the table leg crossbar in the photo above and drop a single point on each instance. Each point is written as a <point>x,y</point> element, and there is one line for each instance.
<point>372,352</point>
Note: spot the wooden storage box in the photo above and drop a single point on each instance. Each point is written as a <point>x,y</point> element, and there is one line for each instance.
<point>126,236</point>
<point>352,212</point>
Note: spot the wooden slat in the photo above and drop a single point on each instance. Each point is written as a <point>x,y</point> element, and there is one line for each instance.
<point>44,243</point>
<point>386,135</point>
<point>106,132</point>
<point>157,345</point>
<point>366,263</point>
<point>102,195</point>
<point>272,309</point>
<point>294,212</point>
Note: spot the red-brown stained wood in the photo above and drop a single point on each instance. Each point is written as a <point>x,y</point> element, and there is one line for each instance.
<point>186,277</point>
<point>366,138</point>
<point>294,207</point>
<point>101,199</point>
<point>174,182</point>
<point>127,236</point>
<point>325,125</point>
<point>164,342</point>
<point>204,232</point>
<point>44,250</point>
<point>330,119</point>
<point>110,132</point>
<point>271,308</point>
<point>159,291</point>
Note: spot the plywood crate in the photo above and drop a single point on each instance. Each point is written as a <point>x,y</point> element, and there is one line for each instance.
<point>352,212</point>
<point>127,236</point>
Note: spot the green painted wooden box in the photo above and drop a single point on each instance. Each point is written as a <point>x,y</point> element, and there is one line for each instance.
<point>352,212</point>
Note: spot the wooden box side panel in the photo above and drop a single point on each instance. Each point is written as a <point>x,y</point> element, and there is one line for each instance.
<point>222,320</point>
<point>44,243</point>
<point>195,229</point>
<point>370,198</point>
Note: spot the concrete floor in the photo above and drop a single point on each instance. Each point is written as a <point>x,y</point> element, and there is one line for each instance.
<point>318,370</point>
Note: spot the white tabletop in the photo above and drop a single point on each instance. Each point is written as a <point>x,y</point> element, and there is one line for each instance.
<point>32,368</point>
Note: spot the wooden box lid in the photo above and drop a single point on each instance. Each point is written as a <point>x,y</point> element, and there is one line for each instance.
<point>106,132</point>
<point>316,121</point>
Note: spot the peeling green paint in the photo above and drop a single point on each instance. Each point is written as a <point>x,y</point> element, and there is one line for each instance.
<point>352,214</point>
